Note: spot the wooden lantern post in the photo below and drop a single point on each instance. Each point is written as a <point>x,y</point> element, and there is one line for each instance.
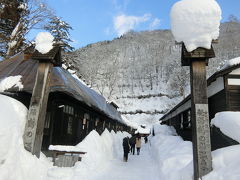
<point>34,127</point>
<point>197,60</point>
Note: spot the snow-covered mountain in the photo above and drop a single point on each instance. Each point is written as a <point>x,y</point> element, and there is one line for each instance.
<point>141,71</point>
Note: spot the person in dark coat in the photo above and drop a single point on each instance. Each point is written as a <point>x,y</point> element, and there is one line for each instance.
<point>132,142</point>
<point>146,139</point>
<point>126,148</point>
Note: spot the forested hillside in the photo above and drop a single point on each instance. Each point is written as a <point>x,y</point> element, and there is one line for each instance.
<point>142,67</point>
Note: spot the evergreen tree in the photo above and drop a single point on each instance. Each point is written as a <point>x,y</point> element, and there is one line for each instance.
<point>233,18</point>
<point>10,13</point>
<point>60,31</point>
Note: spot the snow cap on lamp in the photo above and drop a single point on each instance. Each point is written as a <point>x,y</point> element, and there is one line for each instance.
<point>195,23</point>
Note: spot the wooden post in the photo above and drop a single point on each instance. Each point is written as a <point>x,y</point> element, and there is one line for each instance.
<point>197,60</point>
<point>33,133</point>
<point>200,120</point>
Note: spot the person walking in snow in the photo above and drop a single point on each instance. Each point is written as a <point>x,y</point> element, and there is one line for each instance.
<point>126,148</point>
<point>132,142</point>
<point>145,139</point>
<point>138,144</point>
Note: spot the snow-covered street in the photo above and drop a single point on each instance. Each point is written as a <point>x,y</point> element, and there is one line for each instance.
<point>141,167</point>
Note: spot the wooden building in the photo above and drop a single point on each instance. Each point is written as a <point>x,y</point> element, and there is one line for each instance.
<point>223,95</point>
<point>73,109</point>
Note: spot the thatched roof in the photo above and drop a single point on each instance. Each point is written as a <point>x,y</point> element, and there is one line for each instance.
<point>61,81</point>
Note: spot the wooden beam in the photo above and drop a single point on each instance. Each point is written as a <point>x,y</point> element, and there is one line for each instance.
<point>33,133</point>
<point>200,120</point>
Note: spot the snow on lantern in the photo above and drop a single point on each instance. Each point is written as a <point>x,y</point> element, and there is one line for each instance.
<point>195,24</point>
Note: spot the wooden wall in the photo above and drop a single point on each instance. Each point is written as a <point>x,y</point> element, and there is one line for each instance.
<point>217,103</point>
<point>71,121</point>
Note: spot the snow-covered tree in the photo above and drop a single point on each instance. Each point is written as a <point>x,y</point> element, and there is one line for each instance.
<point>60,31</point>
<point>9,17</point>
<point>27,15</point>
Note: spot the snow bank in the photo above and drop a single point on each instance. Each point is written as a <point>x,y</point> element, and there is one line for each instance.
<point>11,81</point>
<point>15,162</point>
<point>195,22</point>
<point>173,155</point>
<point>100,150</point>
<point>228,123</point>
<point>226,164</point>
<point>44,42</point>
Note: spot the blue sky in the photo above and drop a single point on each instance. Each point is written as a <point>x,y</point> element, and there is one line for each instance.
<point>98,20</point>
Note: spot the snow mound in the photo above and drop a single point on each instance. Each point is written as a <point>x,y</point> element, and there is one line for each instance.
<point>172,154</point>
<point>15,162</point>
<point>195,22</point>
<point>228,123</point>
<point>11,81</point>
<point>100,150</point>
<point>225,164</point>
<point>44,42</point>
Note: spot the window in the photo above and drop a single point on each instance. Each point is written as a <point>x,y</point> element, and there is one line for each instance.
<point>96,122</point>
<point>188,123</point>
<point>68,109</point>
<point>47,120</point>
<point>181,121</point>
<point>70,126</point>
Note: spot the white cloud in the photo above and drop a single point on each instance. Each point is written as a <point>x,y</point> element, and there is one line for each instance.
<point>124,23</point>
<point>155,23</point>
<point>120,5</point>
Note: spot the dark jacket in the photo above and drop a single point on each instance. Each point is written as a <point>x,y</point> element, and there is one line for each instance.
<point>125,144</point>
<point>132,140</point>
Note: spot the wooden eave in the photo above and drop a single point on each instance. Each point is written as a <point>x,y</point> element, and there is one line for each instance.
<point>221,73</point>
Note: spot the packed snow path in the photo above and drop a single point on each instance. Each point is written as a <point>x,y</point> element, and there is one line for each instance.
<point>140,167</point>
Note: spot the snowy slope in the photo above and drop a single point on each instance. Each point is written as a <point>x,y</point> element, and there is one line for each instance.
<point>145,64</point>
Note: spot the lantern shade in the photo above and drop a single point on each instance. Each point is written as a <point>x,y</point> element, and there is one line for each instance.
<point>197,54</point>
<point>54,56</point>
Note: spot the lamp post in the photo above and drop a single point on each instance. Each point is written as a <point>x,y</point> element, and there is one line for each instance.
<point>33,132</point>
<point>196,24</point>
<point>197,60</point>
